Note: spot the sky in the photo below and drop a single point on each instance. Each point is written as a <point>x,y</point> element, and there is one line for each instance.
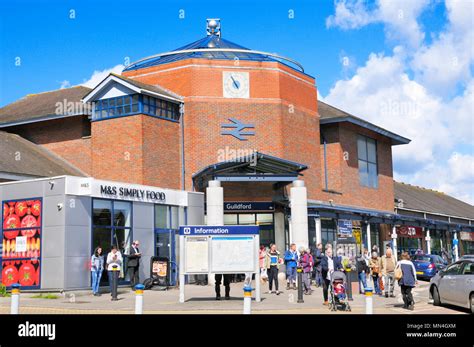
<point>404,65</point>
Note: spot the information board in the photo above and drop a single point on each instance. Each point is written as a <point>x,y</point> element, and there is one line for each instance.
<point>232,254</point>
<point>197,259</point>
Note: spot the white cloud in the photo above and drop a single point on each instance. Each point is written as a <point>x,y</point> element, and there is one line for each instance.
<point>400,17</point>
<point>414,91</point>
<point>98,76</point>
<point>65,84</point>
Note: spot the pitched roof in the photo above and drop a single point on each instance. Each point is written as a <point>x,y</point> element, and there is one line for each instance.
<point>35,107</point>
<point>134,84</point>
<point>330,114</point>
<point>22,157</point>
<point>422,199</point>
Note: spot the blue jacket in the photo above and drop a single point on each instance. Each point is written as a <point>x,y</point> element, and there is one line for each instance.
<point>408,273</point>
<point>291,258</point>
<point>325,266</point>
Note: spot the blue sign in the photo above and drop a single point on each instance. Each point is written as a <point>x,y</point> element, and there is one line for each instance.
<point>219,230</point>
<point>237,129</point>
<point>248,206</point>
<point>344,228</point>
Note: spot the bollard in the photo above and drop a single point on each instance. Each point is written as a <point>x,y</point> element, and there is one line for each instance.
<point>247,299</point>
<point>15,299</point>
<point>349,284</point>
<point>300,285</point>
<point>115,275</point>
<point>139,298</point>
<point>368,301</point>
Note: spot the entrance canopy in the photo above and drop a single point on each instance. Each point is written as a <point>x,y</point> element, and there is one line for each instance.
<point>256,167</point>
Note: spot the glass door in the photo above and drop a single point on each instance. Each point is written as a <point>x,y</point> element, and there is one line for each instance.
<point>165,245</point>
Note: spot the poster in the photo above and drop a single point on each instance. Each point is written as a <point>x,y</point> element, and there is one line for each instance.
<point>197,257</point>
<point>344,228</point>
<point>21,242</point>
<point>233,254</point>
<point>159,268</point>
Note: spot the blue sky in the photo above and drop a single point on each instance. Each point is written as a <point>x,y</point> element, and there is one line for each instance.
<point>371,58</point>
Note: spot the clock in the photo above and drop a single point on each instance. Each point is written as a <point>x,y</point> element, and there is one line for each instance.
<point>236,84</point>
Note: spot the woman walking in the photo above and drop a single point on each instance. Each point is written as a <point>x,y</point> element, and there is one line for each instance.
<point>375,271</point>
<point>408,280</point>
<point>272,263</point>
<point>97,267</point>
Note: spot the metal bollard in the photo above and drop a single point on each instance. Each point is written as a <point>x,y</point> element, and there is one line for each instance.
<point>300,285</point>
<point>139,298</point>
<point>15,305</point>
<point>247,300</point>
<point>114,284</point>
<point>368,301</point>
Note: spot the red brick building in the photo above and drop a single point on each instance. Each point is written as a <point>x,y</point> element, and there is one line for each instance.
<point>214,110</point>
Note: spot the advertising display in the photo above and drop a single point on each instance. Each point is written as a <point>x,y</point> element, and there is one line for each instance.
<point>21,242</point>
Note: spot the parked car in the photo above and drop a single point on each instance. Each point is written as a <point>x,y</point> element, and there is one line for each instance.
<point>454,285</point>
<point>427,265</point>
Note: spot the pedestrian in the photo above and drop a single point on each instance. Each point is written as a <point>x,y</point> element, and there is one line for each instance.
<point>387,269</point>
<point>374,265</point>
<point>133,263</point>
<point>408,281</point>
<point>218,279</point>
<point>291,262</point>
<point>262,253</point>
<point>329,264</point>
<point>114,265</point>
<point>306,264</point>
<point>318,255</point>
<point>272,263</point>
<point>362,270</point>
<point>97,267</point>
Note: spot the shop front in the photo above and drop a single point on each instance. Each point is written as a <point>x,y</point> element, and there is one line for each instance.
<point>51,226</point>
<point>410,239</point>
<point>466,244</point>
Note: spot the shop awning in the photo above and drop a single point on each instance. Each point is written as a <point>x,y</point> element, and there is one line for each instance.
<point>255,167</point>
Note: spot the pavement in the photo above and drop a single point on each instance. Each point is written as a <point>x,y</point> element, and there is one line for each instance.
<point>201,300</point>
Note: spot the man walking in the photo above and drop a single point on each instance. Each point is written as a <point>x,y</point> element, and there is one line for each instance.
<point>291,259</point>
<point>318,255</point>
<point>133,263</point>
<point>387,270</point>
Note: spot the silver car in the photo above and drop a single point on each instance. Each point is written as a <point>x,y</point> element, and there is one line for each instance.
<point>454,285</point>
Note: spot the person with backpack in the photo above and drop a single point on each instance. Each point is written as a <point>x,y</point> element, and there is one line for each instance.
<point>405,273</point>
<point>306,264</point>
<point>362,271</point>
<point>291,262</point>
<point>387,268</point>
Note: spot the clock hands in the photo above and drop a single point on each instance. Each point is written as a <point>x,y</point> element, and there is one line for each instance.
<point>234,82</point>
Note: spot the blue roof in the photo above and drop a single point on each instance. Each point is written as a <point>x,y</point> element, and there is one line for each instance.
<point>211,41</point>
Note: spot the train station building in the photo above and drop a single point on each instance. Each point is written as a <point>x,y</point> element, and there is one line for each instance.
<point>241,134</point>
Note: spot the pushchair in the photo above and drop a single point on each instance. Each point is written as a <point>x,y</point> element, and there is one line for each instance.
<point>337,290</point>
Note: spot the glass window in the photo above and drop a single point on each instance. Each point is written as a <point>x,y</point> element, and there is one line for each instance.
<point>134,108</point>
<point>102,212</point>
<point>367,158</point>
<point>122,213</point>
<point>247,218</point>
<point>453,269</point>
<point>230,219</point>
<point>174,217</point>
<point>101,238</point>
<point>265,218</point>
<point>468,269</point>
<point>120,101</point>
<point>161,216</point>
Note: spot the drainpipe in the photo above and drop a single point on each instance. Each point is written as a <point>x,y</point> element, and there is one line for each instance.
<point>183,169</point>
<point>325,164</point>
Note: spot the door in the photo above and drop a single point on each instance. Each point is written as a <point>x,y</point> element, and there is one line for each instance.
<point>165,246</point>
<point>447,284</point>
<point>267,235</point>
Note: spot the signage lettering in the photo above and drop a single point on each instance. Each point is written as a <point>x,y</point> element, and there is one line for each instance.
<point>132,193</point>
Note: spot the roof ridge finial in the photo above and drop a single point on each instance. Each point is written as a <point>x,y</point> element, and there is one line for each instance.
<point>213,27</point>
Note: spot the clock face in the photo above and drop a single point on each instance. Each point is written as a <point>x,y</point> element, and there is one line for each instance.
<point>236,84</point>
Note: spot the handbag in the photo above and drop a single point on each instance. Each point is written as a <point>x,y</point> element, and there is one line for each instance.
<point>398,273</point>
<point>381,286</point>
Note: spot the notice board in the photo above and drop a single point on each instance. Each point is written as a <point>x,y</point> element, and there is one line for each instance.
<point>233,254</point>
<point>197,259</point>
